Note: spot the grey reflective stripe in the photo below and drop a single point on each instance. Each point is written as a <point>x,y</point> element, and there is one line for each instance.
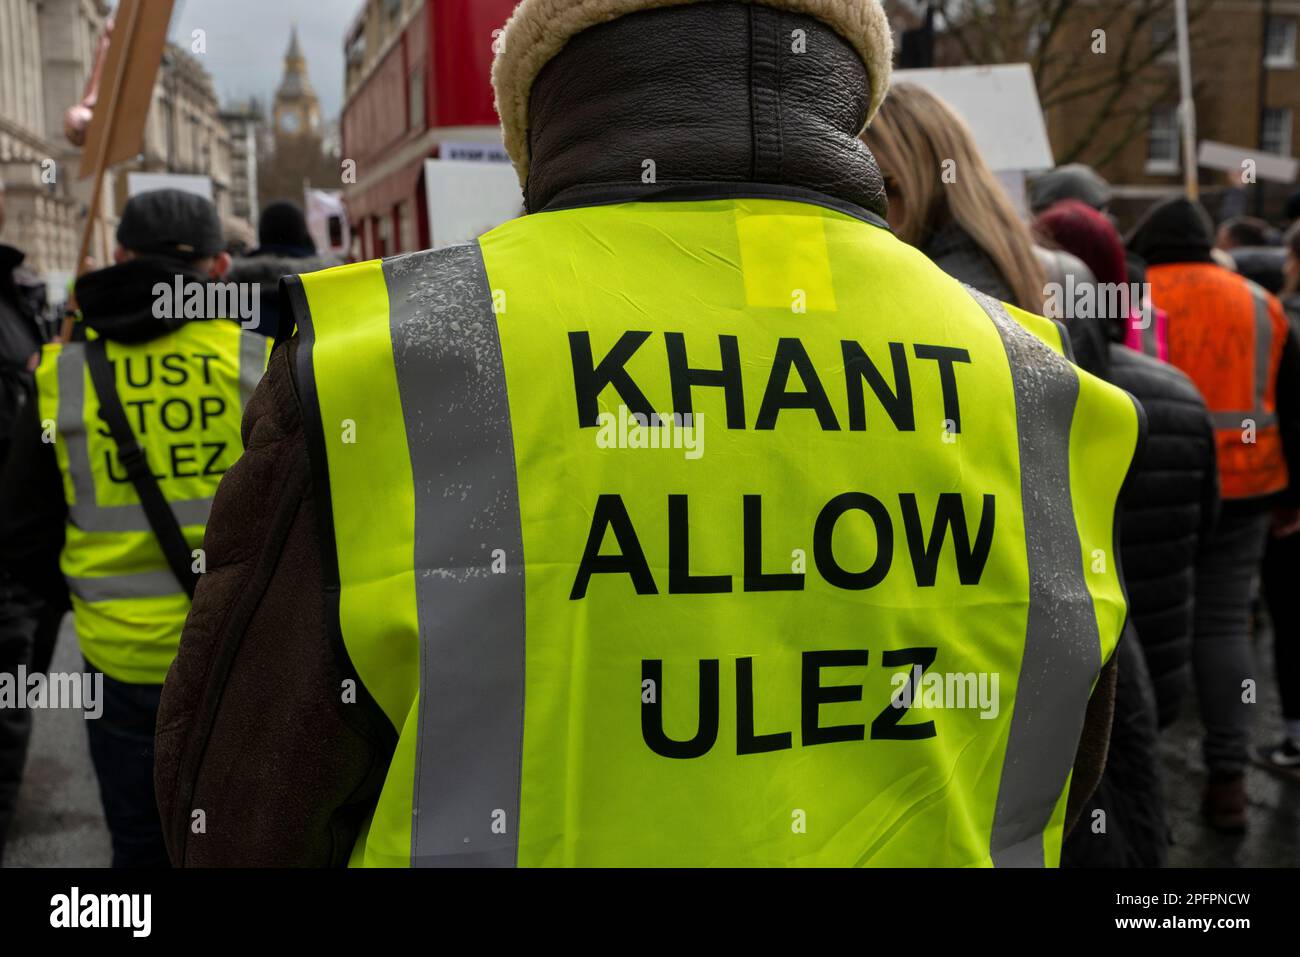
<point>71,374</point>
<point>1263,352</point>
<point>1061,657</point>
<point>131,518</point>
<point>85,512</point>
<point>157,584</point>
<point>252,364</point>
<point>469,745</point>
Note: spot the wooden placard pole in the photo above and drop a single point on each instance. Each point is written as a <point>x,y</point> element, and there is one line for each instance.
<point>116,130</point>
<point>101,162</point>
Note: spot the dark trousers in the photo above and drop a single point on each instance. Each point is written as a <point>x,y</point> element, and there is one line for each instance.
<point>1282,591</point>
<point>28,630</point>
<point>1222,658</point>
<point>121,748</point>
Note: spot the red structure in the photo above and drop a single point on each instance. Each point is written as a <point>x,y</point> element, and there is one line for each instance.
<point>413,84</point>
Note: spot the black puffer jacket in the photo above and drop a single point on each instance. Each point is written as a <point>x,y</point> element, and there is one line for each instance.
<point>1167,512</point>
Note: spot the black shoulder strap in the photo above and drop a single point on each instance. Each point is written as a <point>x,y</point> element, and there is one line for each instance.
<point>161,518</point>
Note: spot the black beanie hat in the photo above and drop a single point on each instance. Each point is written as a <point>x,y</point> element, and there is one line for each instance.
<point>283,225</point>
<point>169,222</point>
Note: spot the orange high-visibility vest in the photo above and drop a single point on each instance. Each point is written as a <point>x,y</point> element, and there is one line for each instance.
<point>1227,333</point>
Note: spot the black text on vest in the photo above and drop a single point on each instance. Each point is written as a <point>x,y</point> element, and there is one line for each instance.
<point>790,361</point>
<point>926,538</point>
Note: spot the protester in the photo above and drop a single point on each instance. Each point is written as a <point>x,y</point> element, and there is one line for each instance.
<point>1167,514</point>
<point>1291,211</point>
<point>965,223</point>
<point>1256,251</point>
<point>433,494</point>
<point>22,305</point>
<point>1073,181</point>
<point>26,633</point>
<point>1282,571</point>
<point>1168,510</point>
<point>1232,339</point>
<point>1244,231</point>
<point>146,413</point>
<point>944,200</point>
<point>285,247</point>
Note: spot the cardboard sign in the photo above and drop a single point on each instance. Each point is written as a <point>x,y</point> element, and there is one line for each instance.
<point>466,199</point>
<point>327,220</point>
<point>474,152</point>
<point>1269,166</point>
<point>1000,105</point>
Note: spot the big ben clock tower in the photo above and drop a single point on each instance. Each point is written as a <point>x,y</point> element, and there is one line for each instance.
<point>296,110</point>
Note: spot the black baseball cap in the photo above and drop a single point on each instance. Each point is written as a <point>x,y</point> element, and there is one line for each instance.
<point>172,223</point>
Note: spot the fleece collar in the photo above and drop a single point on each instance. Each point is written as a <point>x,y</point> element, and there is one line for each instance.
<point>539,29</point>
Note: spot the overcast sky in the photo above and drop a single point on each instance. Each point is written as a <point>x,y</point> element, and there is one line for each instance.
<point>247,40</point>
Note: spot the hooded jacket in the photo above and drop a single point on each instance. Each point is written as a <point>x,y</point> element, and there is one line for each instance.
<point>251,716</point>
<point>118,304</point>
<point>1167,512</point>
<point>1167,515</point>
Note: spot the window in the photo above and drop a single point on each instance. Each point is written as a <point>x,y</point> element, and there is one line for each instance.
<point>405,214</point>
<point>1275,137</point>
<point>415,100</point>
<point>357,50</point>
<point>1164,37</point>
<point>1162,140</point>
<point>1279,46</point>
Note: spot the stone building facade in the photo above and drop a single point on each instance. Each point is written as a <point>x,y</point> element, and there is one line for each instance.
<point>47,52</point>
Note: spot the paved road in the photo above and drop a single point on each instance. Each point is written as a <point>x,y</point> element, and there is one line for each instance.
<point>59,822</point>
<point>1274,836</point>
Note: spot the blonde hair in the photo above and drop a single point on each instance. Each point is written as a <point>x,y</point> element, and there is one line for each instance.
<point>915,136</point>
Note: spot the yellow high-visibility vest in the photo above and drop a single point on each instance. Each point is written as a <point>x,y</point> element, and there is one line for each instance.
<point>183,395</point>
<point>728,532</point>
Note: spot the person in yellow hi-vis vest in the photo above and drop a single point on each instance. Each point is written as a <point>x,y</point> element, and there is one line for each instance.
<point>690,519</point>
<point>132,426</point>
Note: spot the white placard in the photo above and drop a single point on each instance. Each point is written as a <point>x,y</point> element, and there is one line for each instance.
<point>1000,105</point>
<point>467,199</point>
<point>1269,166</point>
<point>137,183</point>
<point>474,152</point>
<point>321,206</point>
